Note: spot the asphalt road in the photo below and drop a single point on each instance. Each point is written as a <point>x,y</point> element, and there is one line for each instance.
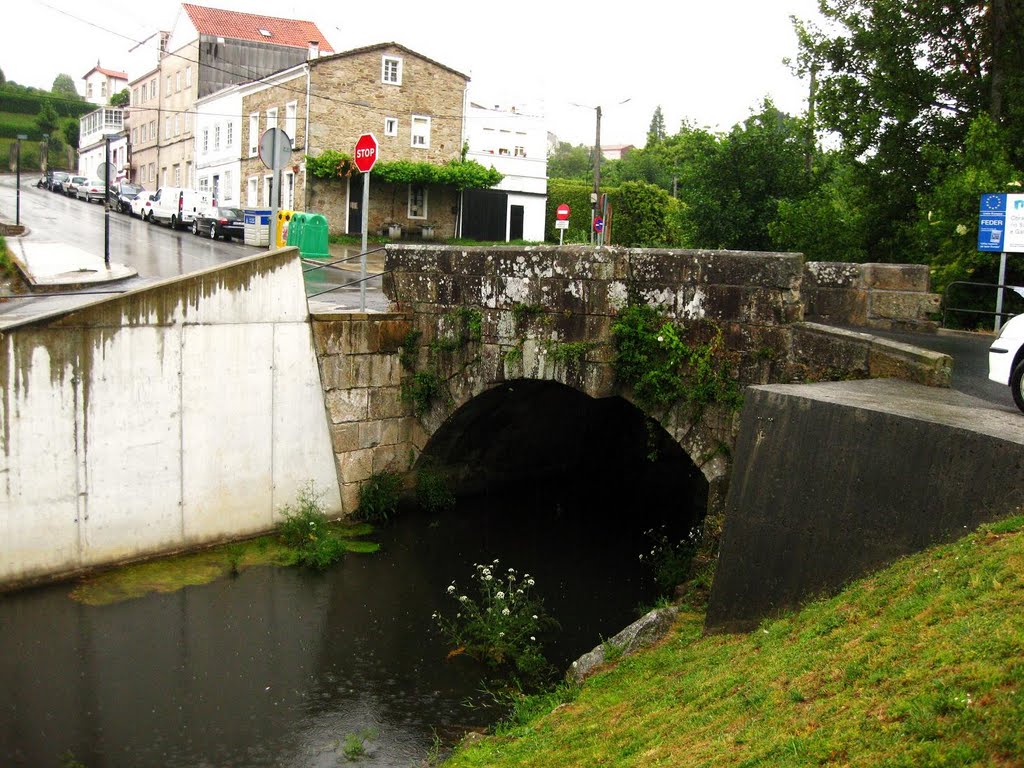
<point>156,252</point>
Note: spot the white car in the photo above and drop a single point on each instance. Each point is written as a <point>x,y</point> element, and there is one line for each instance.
<point>142,205</point>
<point>1006,358</point>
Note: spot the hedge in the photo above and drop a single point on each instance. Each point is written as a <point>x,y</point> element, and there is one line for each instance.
<point>29,104</point>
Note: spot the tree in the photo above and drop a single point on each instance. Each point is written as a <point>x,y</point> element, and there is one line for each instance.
<point>46,119</point>
<point>656,131</point>
<point>70,127</point>
<point>64,86</point>
<point>569,162</point>
<point>121,98</point>
<point>3,79</point>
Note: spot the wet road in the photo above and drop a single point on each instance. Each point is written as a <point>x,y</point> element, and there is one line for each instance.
<point>155,251</point>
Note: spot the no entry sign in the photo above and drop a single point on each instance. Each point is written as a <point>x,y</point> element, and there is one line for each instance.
<point>366,152</point>
<point>562,212</point>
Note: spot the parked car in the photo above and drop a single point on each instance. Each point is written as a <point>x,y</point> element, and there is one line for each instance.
<point>124,192</point>
<point>93,190</point>
<point>220,222</point>
<point>141,205</point>
<point>177,206</point>
<point>57,181</point>
<point>1006,358</point>
<point>71,188</point>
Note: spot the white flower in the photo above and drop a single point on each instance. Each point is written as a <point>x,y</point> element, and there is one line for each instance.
<point>488,577</point>
<point>530,582</point>
<point>500,595</point>
<point>533,638</point>
<point>961,229</point>
<point>463,599</point>
<point>661,338</point>
<point>535,617</point>
<point>505,611</point>
<point>451,589</point>
<point>501,634</point>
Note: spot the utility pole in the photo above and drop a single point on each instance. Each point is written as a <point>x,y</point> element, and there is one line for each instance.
<point>17,178</point>
<point>597,174</point>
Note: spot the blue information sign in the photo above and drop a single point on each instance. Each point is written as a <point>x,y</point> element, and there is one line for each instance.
<point>992,223</point>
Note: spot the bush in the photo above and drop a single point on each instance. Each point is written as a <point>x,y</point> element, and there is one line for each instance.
<point>670,560</point>
<point>306,532</point>
<point>378,497</point>
<point>498,622</point>
<point>432,491</point>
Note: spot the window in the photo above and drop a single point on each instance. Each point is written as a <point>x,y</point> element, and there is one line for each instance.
<point>88,90</point>
<point>152,131</point>
<point>135,135</point>
<point>204,184</point>
<point>288,191</point>
<point>272,118</point>
<point>391,70</point>
<point>177,81</point>
<point>268,191</point>
<point>250,193</point>
<point>216,138</point>
<point>420,132</point>
<point>229,134</point>
<point>390,126</point>
<point>520,151</point>
<point>177,175</point>
<point>103,87</point>
<point>135,97</point>
<point>290,110</point>
<point>188,77</point>
<point>188,122</point>
<point>206,140</point>
<point>254,137</point>
<point>163,177</point>
<point>152,91</point>
<point>177,125</point>
<point>228,193</point>
<point>417,201</point>
<point>167,91</point>
<point>167,127</point>
<point>152,172</point>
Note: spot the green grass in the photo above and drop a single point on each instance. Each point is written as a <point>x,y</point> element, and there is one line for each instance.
<point>919,665</point>
<point>18,120</point>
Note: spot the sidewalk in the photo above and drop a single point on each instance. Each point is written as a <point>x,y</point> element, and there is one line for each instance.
<point>47,264</point>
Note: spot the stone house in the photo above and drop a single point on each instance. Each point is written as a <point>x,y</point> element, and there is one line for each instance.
<point>414,107</point>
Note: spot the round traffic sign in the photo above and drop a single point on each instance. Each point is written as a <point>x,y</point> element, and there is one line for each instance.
<point>366,152</point>
<point>562,212</point>
<point>275,149</point>
<point>598,224</point>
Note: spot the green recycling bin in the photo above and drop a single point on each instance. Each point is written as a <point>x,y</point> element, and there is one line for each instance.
<point>313,237</point>
<point>295,227</point>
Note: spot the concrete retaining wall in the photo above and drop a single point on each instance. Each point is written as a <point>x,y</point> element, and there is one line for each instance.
<point>176,415</point>
<point>832,481</point>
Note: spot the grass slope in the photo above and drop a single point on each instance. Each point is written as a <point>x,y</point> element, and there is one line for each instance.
<point>919,665</point>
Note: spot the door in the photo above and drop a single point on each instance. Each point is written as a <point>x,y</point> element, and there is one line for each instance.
<point>515,222</point>
<point>484,214</point>
<point>355,204</point>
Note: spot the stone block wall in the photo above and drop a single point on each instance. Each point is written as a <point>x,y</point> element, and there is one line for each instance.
<point>883,296</point>
<point>369,423</point>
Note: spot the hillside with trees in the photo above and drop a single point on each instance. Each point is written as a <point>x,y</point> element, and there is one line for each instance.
<point>48,118</point>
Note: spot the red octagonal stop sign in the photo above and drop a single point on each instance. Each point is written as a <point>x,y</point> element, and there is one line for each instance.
<point>366,152</point>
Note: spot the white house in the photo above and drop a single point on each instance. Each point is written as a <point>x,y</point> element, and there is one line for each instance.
<point>217,151</point>
<point>93,129</point>
<point>101,84</point>
<point>515,144</point>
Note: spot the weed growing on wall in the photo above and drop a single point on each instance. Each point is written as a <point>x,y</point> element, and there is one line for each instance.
<point>306,533</point>
<point>378,497</point>
<point>458,329</point>
<point>669,559</point>
<point>499,620</point>
<point>662,369</point>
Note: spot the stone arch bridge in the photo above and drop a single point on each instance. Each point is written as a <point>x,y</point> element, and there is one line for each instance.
<point>474,321</point>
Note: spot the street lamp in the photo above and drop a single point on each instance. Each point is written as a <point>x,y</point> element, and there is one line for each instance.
<point>596,194</point>
<point>17,178</point>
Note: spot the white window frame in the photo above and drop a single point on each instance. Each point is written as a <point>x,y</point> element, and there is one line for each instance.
<point>252,190</point>
<point>188,76</point>
<point>152,91</point>
<point>415,134</point>
<point>177,81</point>
<point>271,118</point>
<point>229,135</point>
<point>390,126</point>
<point>268,182</point>
<point>135,136</point>
<point>167,127</point>
<point>206,140</point>
<point>227,186</point>
<point>391,75</point>
<point>291,111</point>
<point>409,210</point>
<point>204,184</point>
<point>216,137</point>
<point>177,126</point>
<point>168,94</point>
<point>177,174</point>
<point>254,135</point>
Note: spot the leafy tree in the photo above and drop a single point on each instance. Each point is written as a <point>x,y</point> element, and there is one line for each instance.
<point>569,162</point>
<point>656,131</point>
<point>121,98</point>
<point>645,216</point>
<point>64,86</point>
<point>3,80</point>
<point>46,119</point>
<point>70,127</point>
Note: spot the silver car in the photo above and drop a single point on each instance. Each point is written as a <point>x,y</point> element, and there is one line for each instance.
<point>93,190</point>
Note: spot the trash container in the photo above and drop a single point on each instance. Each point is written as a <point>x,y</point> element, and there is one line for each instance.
<point>313,243</point>
<point>295,228</point>
<point>283,219</point>
<point>256,228</point>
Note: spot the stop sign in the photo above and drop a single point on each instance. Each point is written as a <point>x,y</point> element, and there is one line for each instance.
<point>366,152</point>
<point>562,212</point>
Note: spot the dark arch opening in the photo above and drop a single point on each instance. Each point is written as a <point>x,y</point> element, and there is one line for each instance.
<point>573,489</point>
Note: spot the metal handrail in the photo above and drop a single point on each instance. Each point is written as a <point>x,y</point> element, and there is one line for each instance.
<point>965,310</point>
<point>339,261</point>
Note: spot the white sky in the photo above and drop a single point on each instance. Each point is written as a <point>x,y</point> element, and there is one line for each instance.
<point>709,62</point>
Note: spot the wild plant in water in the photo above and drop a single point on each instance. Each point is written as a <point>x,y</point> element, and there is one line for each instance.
<point>499,620</point>
<point>670,560</point>
<point>306,532</point>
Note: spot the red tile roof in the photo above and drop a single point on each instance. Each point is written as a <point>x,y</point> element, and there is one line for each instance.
<point>107,72</point>
<point>246,26</point>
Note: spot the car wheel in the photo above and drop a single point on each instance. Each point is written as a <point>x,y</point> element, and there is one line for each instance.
<point>148,218</point>
<point>195,228</point>
<point>213,231</point>
<point>1017,384</point>
<point>174,222</point>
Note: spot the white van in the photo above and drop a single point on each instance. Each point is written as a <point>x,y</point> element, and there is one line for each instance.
<point>177,206</point>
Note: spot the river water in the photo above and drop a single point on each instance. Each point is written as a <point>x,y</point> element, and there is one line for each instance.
<point>279,667</point>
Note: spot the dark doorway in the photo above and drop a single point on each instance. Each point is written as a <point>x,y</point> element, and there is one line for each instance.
<point>355,204</point>
<point>515,222</point>
<point>484,214</point>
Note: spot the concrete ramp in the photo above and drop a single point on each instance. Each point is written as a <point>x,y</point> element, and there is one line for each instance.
<point>832,481</point>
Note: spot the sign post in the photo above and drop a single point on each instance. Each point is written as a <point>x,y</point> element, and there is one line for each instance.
<point>365,158</point>
<point>276,153</point>
<point>1001,229</point>
<point>17,177</point>
<point>562,220</point>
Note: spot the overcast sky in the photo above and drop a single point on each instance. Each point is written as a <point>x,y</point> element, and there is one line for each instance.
<point>708,62</point>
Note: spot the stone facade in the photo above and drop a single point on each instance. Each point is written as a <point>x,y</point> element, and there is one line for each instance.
<point>883,296</point>
<point>281,94</point>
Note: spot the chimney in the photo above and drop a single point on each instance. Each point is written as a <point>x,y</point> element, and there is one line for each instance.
<point>314,49</point>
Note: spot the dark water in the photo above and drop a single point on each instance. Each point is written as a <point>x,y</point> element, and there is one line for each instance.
<point>277,666</point>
